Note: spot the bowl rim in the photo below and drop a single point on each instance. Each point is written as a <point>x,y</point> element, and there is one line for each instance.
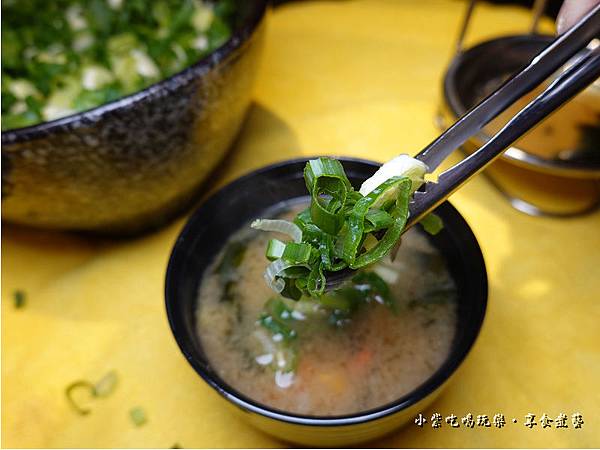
<point>238,38</point>
<point>456,107</point>
<point>429,386</point>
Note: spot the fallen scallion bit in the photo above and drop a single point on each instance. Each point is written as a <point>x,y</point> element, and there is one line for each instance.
<point>20,298</point>
<point>106,385</point>
<point>103,388</point>
<point>80,385</point>
<point>138,416</point>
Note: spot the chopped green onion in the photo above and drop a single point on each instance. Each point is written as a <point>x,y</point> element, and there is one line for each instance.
<point>19,297</point>
<point>275,249</point>
<point>60,57</point>
<point>377,220</point>
<point>103,388</point>
<point>106,385</point>
<point>328,185</point>
<point>276,336</point>
<point>342,228</point>
<point>400,214</point>
<point>378,198</point>
<point>432,223</point>
<point>138,416</point>
<point>80,385</point>
<point>227,268</point>
<point>274,271</point>
<point>316,281</point>
<point>280,226</point>
<point>297,253</point>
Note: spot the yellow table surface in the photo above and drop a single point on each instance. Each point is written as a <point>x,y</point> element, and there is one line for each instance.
<point>357,78</point>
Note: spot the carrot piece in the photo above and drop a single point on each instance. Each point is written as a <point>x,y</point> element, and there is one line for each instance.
<point>361,360</point>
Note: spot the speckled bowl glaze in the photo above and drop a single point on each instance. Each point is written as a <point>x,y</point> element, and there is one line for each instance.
<point>250,197</point>
<point>133,164</point>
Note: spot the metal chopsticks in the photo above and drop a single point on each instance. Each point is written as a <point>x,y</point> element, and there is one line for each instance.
<point>583,72</point>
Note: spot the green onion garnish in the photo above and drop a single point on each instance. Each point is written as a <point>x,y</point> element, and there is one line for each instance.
<point>432,223</point>
<point>106,385</point>
<point>341,228</point>
<point>19,297</point>
<point>80,385</point>
<point>138,416</point>
<point>103,388</point>
<point>59,57</point>
<point>281,226</point>
<point>227,269</point>
<point>282,321</point>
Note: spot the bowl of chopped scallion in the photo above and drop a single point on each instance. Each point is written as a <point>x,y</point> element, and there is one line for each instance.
<point>114,112</point>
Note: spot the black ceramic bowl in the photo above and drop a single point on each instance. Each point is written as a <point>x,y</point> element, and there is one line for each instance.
<point>247,198</point>
<point>132,164</point>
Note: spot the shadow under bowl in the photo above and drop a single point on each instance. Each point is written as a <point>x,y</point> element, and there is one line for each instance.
<point>247,198</point>
<point>132,164</point>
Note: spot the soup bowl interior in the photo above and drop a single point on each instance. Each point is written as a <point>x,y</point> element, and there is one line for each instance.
<point>248,198</point>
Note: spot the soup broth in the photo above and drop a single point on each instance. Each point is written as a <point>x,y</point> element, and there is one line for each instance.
<point>342,364</point>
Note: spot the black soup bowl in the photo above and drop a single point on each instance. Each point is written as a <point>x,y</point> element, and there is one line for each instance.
<point>134,163</point>
<point>248,198</point>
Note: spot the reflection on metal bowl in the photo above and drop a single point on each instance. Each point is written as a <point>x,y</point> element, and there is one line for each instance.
<point>133,164</point>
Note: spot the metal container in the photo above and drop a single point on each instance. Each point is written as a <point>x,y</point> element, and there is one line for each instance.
<point>553,170</point>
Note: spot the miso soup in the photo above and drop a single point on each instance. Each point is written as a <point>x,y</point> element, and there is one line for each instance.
<point>385,332</point>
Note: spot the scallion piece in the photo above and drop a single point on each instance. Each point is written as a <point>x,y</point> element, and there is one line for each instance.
<point>274,272</point>
<point>432,223</point>
<point>106,385</point>
<point>328,186</point>
<point>279,226</point>
<point>393,190</point>
<point>80,385</point>
<point>399,212</point>
<point>297,253</point>
<point>342,228</point>
<point>275,249</point>
<point>59,57</point>
<point>138,416</point>
<point>20,298</point>
<point>376,220</point>
<point>103,388</point>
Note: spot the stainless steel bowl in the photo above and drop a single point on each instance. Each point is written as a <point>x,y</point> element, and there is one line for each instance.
<point>554,169</point>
